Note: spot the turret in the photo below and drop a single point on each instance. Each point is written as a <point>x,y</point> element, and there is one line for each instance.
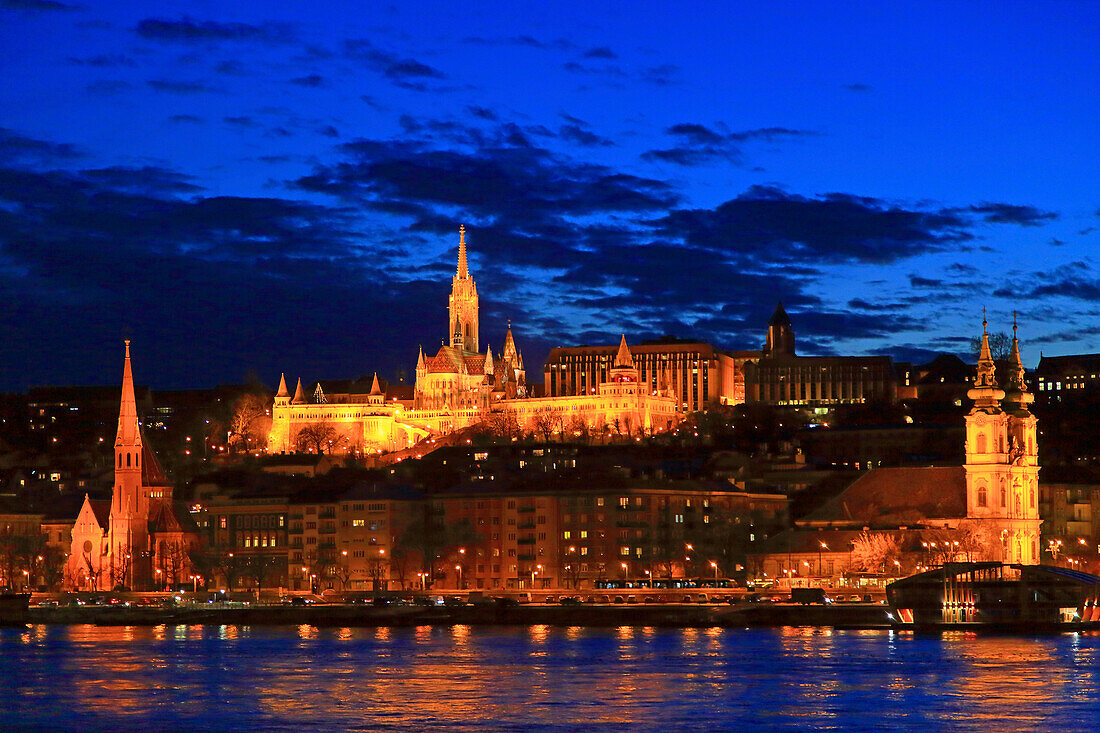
<point>463,303</point>
<point>1017,397</point>
<point>299,395</point>
<point>780,338</point>
<point>985,394</point>
<point>282,396</point>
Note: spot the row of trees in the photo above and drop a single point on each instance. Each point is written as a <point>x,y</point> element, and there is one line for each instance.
<point>27,561</point>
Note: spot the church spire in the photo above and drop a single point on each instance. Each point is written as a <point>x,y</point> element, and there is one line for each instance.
<point>128,433</point>
<point>282,386</point>
<point>299,394</point>
<point>375,388</point>
<point>986,395</point>
<point>463,272</point>
<point>1017,397</point>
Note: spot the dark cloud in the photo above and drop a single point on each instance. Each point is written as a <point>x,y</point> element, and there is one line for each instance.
<point>1077,280</point>
<point>179,87</point>
<point>916,281</point>
<point>187,30</point>
<point>482,113</point>
<point>600,52</point>
<point>405,72</point>
<point>558,44</point>
<point>141,180</point>
<point>37,5</point>
<point>998,213</point>
<point>772,226</point>
<point>310,80</point>
<point>329,131</point>
<point>581,136</point>
<point>20,149</point>
<point>185,118</point>
<point>241,121</point>
<point>857,87</point>
<point>1055,242</point>
<point>103,61</point>
<point>701,144</point>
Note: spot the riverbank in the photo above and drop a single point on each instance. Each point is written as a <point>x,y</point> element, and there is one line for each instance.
<point>864,616</point>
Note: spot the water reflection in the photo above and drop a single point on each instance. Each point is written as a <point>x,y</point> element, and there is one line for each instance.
<point>469,678</point>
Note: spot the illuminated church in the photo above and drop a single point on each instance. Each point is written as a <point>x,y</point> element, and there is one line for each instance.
<point>457,387</point>
<point>140,539</point>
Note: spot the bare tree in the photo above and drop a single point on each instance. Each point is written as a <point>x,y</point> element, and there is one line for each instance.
<point>545,425</point>
<point>873,551</point>
<point>315,435</point>
<point>249,421</point>
<point>504,425</point>
<point>259,568</point>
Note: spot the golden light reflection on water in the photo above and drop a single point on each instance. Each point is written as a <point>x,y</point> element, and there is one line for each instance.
<point>435,677</point>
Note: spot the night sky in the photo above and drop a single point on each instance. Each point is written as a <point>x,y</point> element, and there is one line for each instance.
<point>278,186</point>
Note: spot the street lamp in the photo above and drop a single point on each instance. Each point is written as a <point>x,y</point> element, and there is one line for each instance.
<point>821,546</point>
<point>714,565</point>
<point>459,569</point>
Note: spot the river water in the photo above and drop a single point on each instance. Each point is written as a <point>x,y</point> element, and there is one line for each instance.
<point>541,678</point>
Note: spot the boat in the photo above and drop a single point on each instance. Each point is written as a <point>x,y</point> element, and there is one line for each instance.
<point>13,608</point>
<point>993,595</point>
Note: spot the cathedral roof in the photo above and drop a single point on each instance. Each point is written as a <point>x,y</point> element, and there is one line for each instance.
<point>450,360</point>
<point>283,392</point>
<point>101,508</point>
<point>897,496</point>
<point>171,517</point>
<point>151,472</point>
<point>299,395</point>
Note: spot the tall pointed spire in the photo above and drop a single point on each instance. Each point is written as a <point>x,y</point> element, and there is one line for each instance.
<point>282,386</point>
<point>463,272</point>
<point>128,433</point>
<point>986,395</point>
<point>624,358</point>
<point>1017,397</point>
<point>375,388</point>
<point>299,394</point>
<point>420,363</point>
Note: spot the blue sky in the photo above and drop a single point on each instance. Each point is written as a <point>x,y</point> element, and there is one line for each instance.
<point>277,187</point>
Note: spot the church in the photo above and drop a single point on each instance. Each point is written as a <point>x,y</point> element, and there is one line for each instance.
<point>141,539</point>
<point>459,386</point>
<point>983,510</point>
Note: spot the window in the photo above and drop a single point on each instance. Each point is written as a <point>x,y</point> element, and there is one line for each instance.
<point>584,534</point>
<point>222,521</point>
<point>566,535</point>
<point>624,502</point>
<point>624,550</point>
<point>358,523</point>
<point>584,550</point>
<point>599,501</point>
<point>981,495</point>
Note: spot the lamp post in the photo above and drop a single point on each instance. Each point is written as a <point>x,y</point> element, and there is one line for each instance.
<point>458,568</point>
<point>820,547</point>
<point>714,565</point>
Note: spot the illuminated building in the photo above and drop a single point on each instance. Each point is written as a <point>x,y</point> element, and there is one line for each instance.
<point>142,538</point>
<point>696,374</point>
<point>985,509</point>
<point>460,386</point>
<point>780,377</point>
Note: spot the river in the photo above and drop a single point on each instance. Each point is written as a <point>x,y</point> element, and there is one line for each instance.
<point>541,678</point>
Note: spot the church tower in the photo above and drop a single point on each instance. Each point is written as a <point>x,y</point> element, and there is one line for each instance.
<point>129,519</point>
<point>1002,468</point>
<point>463,303</point>
<point>780,338</point>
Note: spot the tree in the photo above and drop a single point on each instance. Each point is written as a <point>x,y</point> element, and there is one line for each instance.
<point>259,568</point>
<point>545,425</point>
<point>504,425</point>
<point>173,559</point>
<point>204,562</point>
<point>873,551</point>
<point>51,567</point>
<point>570,566</point>
<point>315,436</point>
<point>432,539</point>
<point>249,421</point>
<point>232,567</point>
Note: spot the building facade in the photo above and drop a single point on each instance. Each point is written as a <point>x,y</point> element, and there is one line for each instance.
<point>697,375</point>
<point>460,386</point>
<point>781,377</point>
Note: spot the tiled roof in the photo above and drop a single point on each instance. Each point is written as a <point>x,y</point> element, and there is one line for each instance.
<point>101,508</point>
<point>898,496</point>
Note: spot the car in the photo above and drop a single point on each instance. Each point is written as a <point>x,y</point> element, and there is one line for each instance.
<point>570,601</point>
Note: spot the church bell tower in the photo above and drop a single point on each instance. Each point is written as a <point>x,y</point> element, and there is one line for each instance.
<point>463,302</point>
